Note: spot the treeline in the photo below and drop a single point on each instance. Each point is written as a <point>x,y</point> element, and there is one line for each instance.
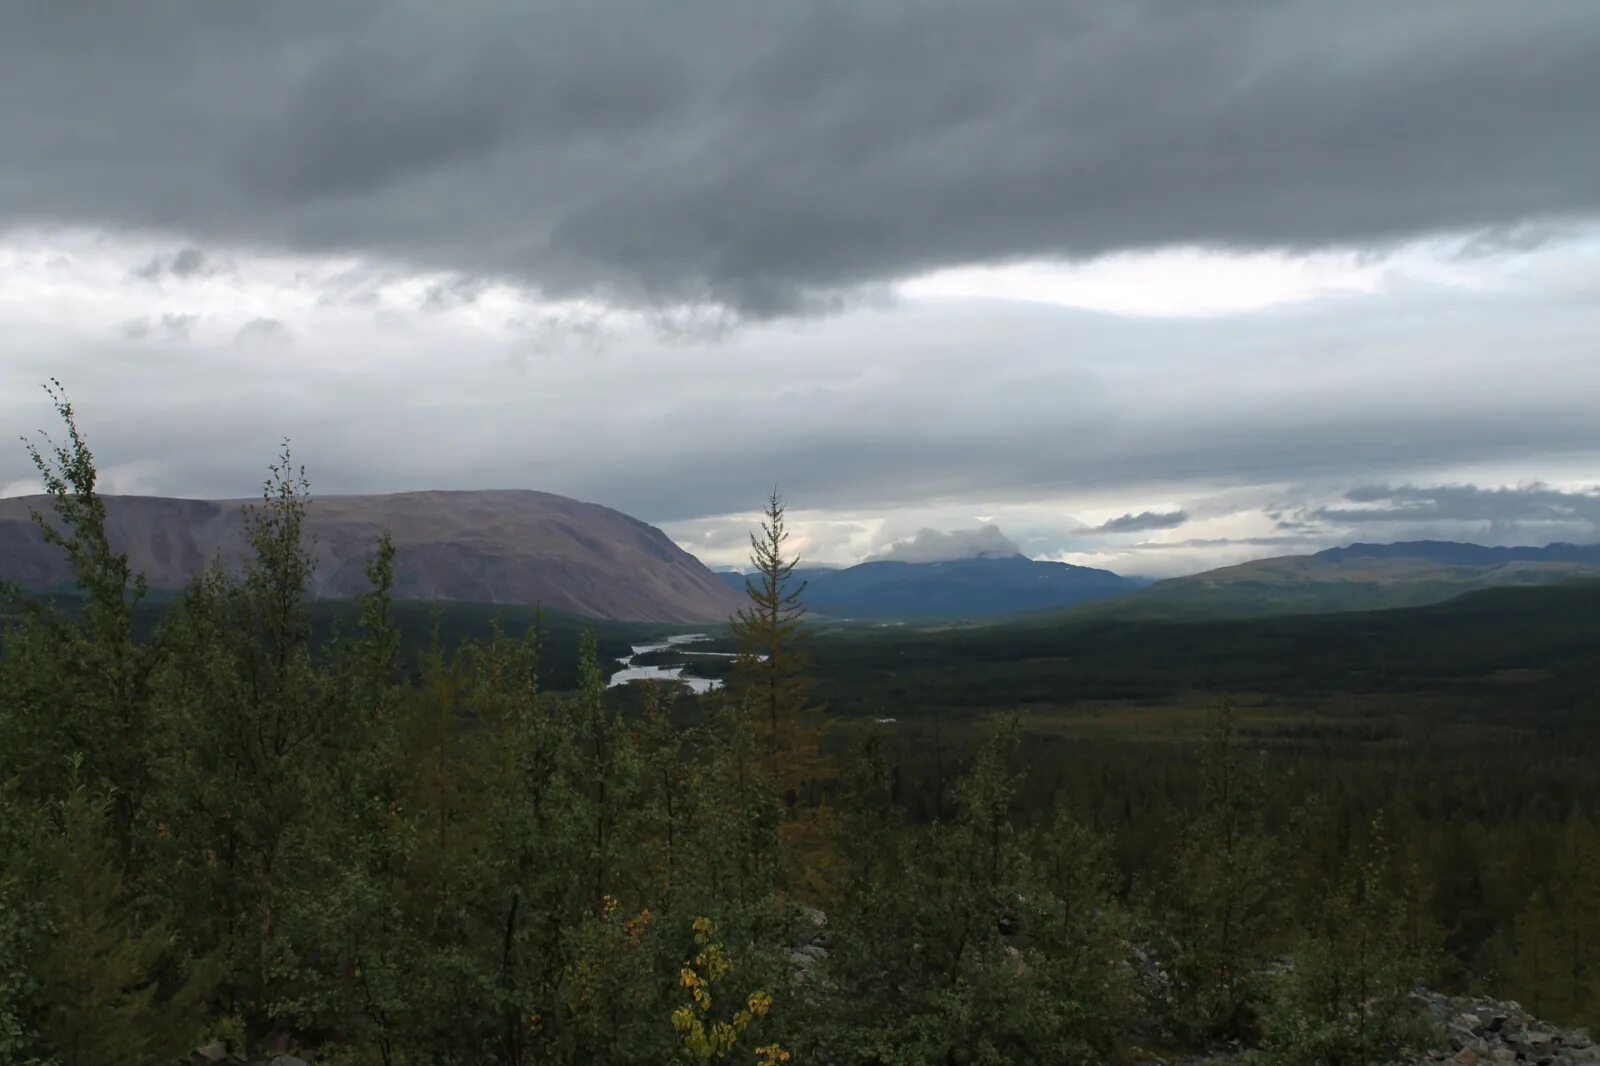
<point>221,830</point>
<point>421,624</point>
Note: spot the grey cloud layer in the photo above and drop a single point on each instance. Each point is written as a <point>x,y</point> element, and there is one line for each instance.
<point>184,263</point>
<point>878,410</point>
<point>771,157</point>
<point>267,332</point>
<point>1500,513</point>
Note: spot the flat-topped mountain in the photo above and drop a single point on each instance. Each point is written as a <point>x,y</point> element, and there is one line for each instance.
<point>501,546</point>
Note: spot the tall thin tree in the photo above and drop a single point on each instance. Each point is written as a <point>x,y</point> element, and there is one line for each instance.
<point>770,669</point>
<point>770,681</point>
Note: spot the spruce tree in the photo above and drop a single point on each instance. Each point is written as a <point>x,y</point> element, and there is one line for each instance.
<point>769,673</point>
<point>99,974</point>
<point>770,681</point>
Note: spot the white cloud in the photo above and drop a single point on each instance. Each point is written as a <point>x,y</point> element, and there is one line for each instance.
<point>877,422</point>
<point>937,546</point>
<point>1171,282</point>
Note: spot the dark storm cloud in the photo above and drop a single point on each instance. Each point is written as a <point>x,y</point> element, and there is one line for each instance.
<point>1135,523</point>
<point>774,157</point>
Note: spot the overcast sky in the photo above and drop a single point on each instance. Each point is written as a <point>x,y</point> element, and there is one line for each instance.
<point>1151,286</point>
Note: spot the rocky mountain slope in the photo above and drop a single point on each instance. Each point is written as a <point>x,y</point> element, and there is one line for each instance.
<point>507,546</point>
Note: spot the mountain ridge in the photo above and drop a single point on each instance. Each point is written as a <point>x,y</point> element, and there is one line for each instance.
<point>1354,577</point>
<point>483,546</point>
<point>1465,553</point>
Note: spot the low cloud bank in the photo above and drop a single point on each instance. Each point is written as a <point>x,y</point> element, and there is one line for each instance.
<point>937,546</point>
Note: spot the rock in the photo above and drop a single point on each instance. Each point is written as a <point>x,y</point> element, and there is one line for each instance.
<point>214,1054</point>
<point>1485,1032</point>
<point>289,1060</point>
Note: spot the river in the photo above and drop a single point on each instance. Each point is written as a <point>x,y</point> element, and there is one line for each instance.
<point>632,672</point>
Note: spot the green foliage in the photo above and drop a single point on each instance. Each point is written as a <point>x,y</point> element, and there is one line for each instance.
<point>1348,998</point>
<point>1556,969</point>
<point>102,970</point>
<point>1221,900</point>
<point>80,692</point>
<point>970,938</point>
<point>263,734</point>
<point>24,926</point>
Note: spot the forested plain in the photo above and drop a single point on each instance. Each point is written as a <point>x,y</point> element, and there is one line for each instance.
<point>399,833</point>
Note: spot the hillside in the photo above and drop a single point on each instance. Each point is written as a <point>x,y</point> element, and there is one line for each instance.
<point>1360,577</point>
<point>1543,633</point>
<point>499,547</point>
<point>1455,553</point>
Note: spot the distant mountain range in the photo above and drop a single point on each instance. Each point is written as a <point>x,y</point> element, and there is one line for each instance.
<point>521,547</point>
<point>1355,578</point>
<point>961,588</point>
<point>1452,553</point>
<point>505,547</point>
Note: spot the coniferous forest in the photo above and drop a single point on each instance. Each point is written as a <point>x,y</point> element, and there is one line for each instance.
<point>233,827</point>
